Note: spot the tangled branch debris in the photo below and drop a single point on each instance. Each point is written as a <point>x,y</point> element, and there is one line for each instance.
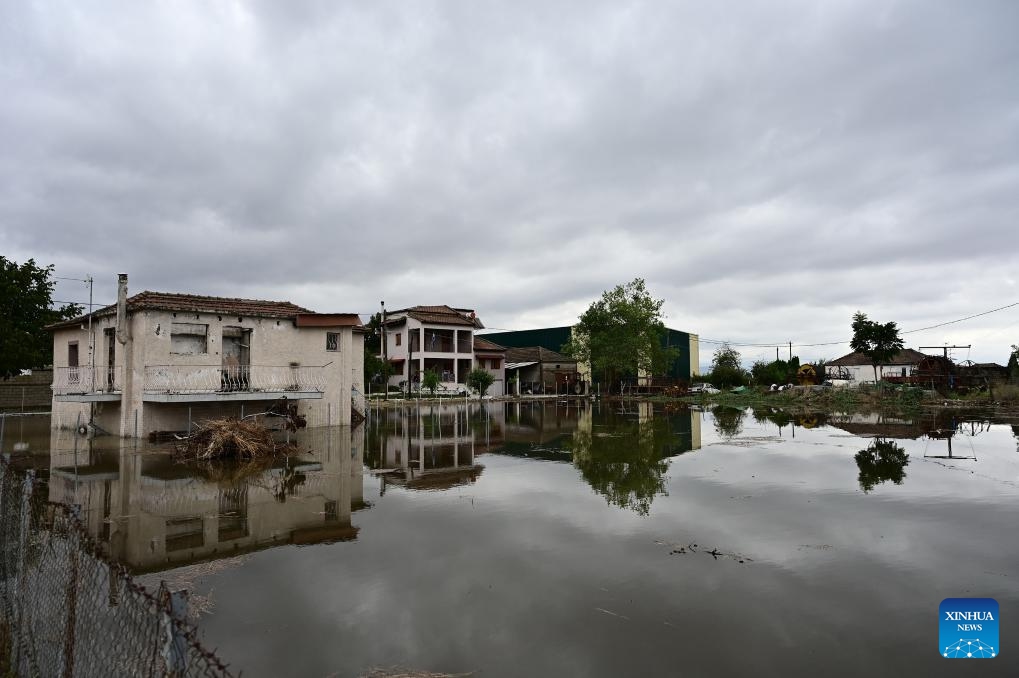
<point>230,439</point>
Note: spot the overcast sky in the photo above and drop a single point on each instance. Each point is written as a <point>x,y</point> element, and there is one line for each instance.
<point>769,168</point>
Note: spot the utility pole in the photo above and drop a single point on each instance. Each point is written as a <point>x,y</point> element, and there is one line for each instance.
<point>790,350</point>
<point>385,356</point>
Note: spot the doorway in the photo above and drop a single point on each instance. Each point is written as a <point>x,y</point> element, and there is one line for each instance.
<point>236,366</point>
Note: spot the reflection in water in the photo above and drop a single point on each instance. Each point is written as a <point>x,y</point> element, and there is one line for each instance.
<point>152,513</point>
<point>624,458</point>
<point>882,460</point>
<point>728,421</point>
<point>619,451</point>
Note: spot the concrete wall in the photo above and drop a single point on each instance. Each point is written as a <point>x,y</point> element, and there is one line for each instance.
<point>26,393</point>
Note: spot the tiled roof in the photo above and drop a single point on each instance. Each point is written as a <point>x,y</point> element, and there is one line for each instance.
<point>906,356</point>
<point>481,344</point>
<point>535,354</point>
<point>442,315</point>
<point>192,303</point>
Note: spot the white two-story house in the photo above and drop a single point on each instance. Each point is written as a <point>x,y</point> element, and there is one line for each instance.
<point>157,361</point>
<point>440,338</point>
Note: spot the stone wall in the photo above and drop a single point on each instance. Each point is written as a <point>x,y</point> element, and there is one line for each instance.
<point>35,388</point>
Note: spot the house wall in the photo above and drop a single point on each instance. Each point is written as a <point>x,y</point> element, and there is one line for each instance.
<point>864,374</point>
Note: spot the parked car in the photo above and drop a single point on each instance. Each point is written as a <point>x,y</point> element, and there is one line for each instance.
<point>703,389</point>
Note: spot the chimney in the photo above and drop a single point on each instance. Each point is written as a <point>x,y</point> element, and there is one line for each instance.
<point>122,308</point>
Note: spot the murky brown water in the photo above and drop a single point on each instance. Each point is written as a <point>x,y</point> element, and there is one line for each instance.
<point>553,539</point>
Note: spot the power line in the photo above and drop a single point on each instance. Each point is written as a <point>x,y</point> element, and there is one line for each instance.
<point>837,343</point>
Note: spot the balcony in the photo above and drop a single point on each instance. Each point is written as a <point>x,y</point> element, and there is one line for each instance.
<point>87,384</point>
<point>197,383</point>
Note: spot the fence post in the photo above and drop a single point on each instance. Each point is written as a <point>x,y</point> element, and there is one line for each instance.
<point>174,612</point>
<point>74,544</point>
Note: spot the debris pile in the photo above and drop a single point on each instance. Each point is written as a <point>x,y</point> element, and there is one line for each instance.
<point>230,439</point>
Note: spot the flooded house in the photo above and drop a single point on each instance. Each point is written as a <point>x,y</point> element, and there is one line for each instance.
<point>440,338</point>
<point>158,361</point>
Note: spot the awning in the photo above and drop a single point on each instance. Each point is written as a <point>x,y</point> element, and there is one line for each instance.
<point>513,366</point>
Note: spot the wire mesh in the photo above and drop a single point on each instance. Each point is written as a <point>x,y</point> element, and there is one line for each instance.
<point>67,610</point>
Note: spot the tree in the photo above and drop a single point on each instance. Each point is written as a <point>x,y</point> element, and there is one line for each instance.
<point>727,367</point>
<point>430,380</point>
<point>879,342</point>
<point>25,309</point>
<point>376,370</point>
<point>622,333</point>
<point>480,379</point>
<point>1013,364</point>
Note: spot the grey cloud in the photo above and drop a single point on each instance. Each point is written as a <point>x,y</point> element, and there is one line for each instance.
<point>768,167</point>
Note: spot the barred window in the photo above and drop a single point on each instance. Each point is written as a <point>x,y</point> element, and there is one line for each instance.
<point>332,341</point>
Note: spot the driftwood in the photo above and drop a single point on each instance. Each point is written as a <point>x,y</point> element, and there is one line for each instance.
<point>230,439</point>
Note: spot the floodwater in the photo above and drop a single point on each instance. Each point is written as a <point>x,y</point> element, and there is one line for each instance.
<point>571,539</point>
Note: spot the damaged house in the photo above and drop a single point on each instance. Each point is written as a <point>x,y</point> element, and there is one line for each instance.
<point>155,361</point>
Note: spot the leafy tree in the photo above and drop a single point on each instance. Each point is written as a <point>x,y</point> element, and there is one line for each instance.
<point>25,309</point>
<point>776,372</point>
<point>882,460</point>
<point>727,368</point>
<point>373,335</point>
<point>430,380</point>
<point>1013,364</point>
<point>376,370</point>
<point>480,379</point>
<point>879,342</point>
<point>621,334</point>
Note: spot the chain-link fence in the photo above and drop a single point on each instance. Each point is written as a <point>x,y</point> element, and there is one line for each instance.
<point>66,610</point>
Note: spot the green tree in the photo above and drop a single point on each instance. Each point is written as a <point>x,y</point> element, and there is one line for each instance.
<point>430,380</point>
<point>373,335</point>
<point>621,334</point>
<point>480,379</point>
<point>26,307</point>
<point>376,370</point>
<point>1013,364</point>
<point>727,367</point>
<point>879,342</point>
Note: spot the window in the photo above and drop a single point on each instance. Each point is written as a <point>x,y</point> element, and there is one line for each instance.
<point>72,363</point>
<point>399,338</point>
<point>189,338</point>
<point>332,341</point>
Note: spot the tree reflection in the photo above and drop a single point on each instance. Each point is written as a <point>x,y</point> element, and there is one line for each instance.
<point>728,421</point>
<point>882,460</point>
<point>625,461</point>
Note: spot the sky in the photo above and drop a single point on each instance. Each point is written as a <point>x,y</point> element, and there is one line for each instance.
<point>769,168</point>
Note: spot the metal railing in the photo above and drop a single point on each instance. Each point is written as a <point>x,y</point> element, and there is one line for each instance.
<point>219,379</point>
<point>67,610</point>
<point>85,380</point>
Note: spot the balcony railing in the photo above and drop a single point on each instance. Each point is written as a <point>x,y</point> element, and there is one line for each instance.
<point>183,379</point>
<point>86,380</point>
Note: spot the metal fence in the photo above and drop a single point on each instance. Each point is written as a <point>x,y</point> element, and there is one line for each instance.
<point>66,610</point>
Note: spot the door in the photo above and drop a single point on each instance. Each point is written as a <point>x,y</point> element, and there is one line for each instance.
<point>110,335</point>
<point>236,367</point>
